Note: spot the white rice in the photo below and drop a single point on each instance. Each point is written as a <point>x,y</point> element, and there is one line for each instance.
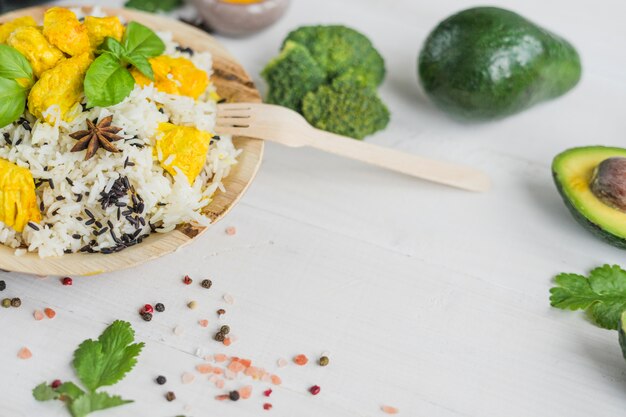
<point>64,176</point>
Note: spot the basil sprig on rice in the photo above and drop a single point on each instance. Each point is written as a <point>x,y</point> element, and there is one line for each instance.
<point>108,80</point>
<point>16,78</point>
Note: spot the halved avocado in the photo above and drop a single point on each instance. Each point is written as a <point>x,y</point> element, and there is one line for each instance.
<point>573,172</point>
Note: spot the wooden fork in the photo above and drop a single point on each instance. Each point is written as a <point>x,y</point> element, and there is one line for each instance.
<point>285,126</point>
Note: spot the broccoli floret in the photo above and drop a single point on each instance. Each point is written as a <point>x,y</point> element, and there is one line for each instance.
<point>291,75</point>
<point>339,48</point>
<point>346,108</point>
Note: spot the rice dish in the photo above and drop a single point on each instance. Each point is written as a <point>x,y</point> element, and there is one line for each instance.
<point>113,200</point>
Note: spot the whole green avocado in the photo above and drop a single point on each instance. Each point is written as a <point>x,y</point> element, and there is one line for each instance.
<point>488,63</point>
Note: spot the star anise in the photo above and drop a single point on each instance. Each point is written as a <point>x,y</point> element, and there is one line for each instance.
<point>99,134</point>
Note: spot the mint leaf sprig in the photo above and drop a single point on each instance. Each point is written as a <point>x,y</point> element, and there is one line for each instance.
<point>602,294</point>
<point>16,79</point>
<point>98,363</point>
<point>108,80</point>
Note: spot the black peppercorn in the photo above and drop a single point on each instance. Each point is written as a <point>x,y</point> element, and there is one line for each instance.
<point>233,395</point>
<point>161,380</point>
<point>3,285</point>
<point>159,307</point>
<point>219,336</point>
<point>146,316</point>
<point>170,396</point>
<point>206,283</point>
<point>16,302</point>
<point>225,329</point>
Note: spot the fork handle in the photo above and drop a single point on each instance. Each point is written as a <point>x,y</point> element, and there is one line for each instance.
<point>428,169</point>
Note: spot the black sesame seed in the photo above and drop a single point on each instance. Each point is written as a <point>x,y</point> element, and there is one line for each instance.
<point>60,198</point>
<point>7,139</point>
<point>161,380</point>
<point>76,236</point>
<point>33,226</point>
<point>19,140</point>
<point>90,222</point>
<point>69,181</point>
<point>79,198</point>
<point>88,213</point>
<point>55,212</point>
<point>101,231</point>
<point>98,224</point>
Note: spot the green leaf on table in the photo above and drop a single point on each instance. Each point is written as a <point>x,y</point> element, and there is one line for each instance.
<point>94,401</point>
<point>141,40</point>
<point>602,294</point>
<point>70,390</point>
<point>113,46</point>
<point>44,392</point>
<point>142,64</point>
<point>12,101</point>
<point>154,5</point>
<point>107,82</point>
<point>13,65</point>
<point>107,360</point>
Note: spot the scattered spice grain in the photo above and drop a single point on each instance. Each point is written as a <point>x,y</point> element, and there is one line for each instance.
<point>146,316</point>
<point>161,380</point>
<point>50,313</point>
<point>67,281</point>
<point>147,309</point>
<point>170,396</point>
<point>225,329</point>
<point>300,360</point>
<point>219,337</point>
<point>323,361</point>
<point>38,315</point>
<point>16,302</point>
<point>267,406</point>
<point>234,395</point>
<point>6,302</point>
<point>206,283</point>
<point>159,307</point>
<point>192,305</point>
<point>3,285</point>
<point>228,299</point>
<point>187,280</point>
<point>267,392</point>
<point>315,389</point>
<point>231,231</point>
<point>56,384</point>
<point>221,312</point>
<point>203,323</point>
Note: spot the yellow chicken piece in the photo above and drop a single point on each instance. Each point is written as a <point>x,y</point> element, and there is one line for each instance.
<point>38,51</point>
<point>184,148</point>
<point>62,29</point>
<point>175,76</point>
<point>61,86</point>
<point>9,27</point>
<point>18,201</point>
<point>99,28</point>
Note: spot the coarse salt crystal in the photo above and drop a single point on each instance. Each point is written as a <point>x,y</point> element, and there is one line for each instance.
<point>203,323</point>
<point>188,378</point>
<point>178,330</point>
<point>38,315</point>
<point>389,409</point>
<point>282,362</point>
<point>229,299</point>
<point>24,353</point>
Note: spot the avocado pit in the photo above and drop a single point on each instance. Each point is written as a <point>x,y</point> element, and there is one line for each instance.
<point>608,182</point>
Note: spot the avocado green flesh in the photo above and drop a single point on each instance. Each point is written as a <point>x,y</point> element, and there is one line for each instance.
<point>572,171</point>
<point>487,62</point>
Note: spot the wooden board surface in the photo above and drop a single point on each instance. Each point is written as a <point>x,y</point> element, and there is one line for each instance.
<point>233,84</point>
<point>427,298</point>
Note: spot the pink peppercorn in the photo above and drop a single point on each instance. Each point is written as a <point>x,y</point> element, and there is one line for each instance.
<point>267,392</point>
<point>56,384</point>
<point>147,309</point>
<point>67,281</point>
<point>315,389</point>
<point>187,280</point>
<point>267,406</point>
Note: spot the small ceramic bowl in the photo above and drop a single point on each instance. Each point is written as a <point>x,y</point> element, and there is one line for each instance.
<point>240,17</point>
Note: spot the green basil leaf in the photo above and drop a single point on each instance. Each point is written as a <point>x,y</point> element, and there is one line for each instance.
<point>12,101</point>
<point>113,46</point>
<point>140,40</point>
<point>13,65</point>
<point>107,82</point>
<point>142,64</point>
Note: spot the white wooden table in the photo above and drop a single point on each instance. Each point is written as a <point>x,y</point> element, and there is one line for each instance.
<point>427,298</point>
